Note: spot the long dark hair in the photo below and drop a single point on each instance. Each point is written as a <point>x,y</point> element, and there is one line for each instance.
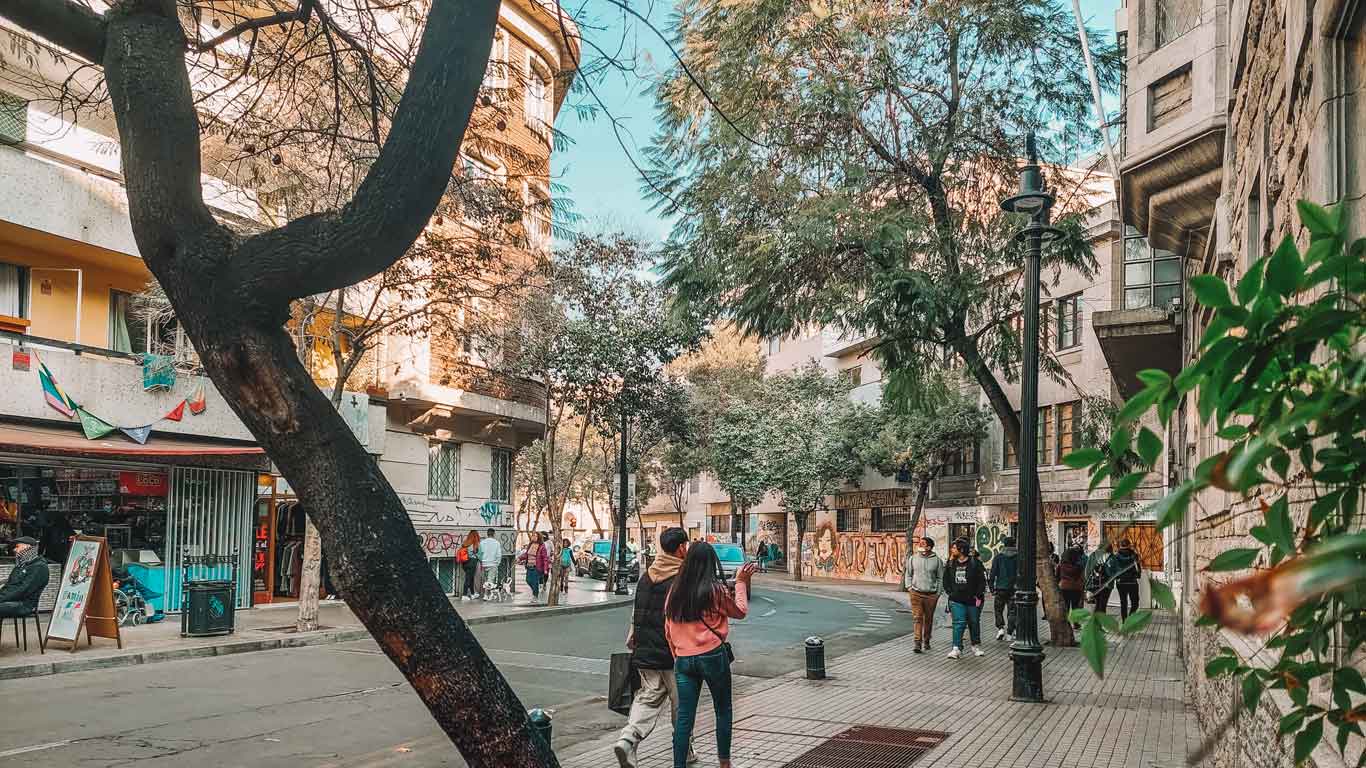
<point>695,588</point>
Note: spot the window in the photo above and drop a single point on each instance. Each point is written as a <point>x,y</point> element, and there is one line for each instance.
<point>962,462</point>
<point>904,476</point>
<point>1069,321</point>
<point>13,290</point>
<point>1045,441</point>
<point>537,219</point>
<point>848,519</point>
<point>1045,338</point>
<point>891,518</point>
<point>694,484</point>
<point>127,329</point>
<point>719,523</point>
<point>1011,460</point>
<point>443,470</point>
<point>536,105</point>
<point>1069,428</point>
<point>482,197</point>
<point>13,119</point>
<point>501,480</point>
<point>774,344</point>
<point>1152,277</point>
<point>444,568</point>
<point>496,74</point>
<point>853,376</point>
<point>1252,245</point>
<point>1174,18</point>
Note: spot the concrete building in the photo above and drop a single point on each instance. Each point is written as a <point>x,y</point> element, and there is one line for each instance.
<point>177,474</point>
<point>1233,112</point>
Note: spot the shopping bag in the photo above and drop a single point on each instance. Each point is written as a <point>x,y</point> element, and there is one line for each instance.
<point>623,681</point>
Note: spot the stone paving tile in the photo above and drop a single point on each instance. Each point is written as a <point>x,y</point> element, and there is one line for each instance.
<point>1134,718</point>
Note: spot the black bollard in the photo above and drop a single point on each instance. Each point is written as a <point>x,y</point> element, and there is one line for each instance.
<point>815,658</point>
<point>540,723</point>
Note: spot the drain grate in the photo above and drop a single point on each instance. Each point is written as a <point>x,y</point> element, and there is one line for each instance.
<point>867,746</point>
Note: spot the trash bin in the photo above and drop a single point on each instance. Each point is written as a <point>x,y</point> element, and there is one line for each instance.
<point>208,608</point>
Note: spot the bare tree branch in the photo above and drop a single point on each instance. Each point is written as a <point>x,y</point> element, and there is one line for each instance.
<point>301,13</point>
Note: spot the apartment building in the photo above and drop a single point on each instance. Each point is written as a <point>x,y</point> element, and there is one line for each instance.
<point>1234,110</point>
<point>100,437</point>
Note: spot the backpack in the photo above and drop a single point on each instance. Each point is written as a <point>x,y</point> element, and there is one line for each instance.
<point>463,556</point>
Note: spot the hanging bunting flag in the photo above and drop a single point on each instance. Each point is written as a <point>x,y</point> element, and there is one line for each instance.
<point>196,401</point>
<point>94,426</point>
<point>139,434</point>
<point>54,394</point>
<point>177,413</point>
<point>158,372</point>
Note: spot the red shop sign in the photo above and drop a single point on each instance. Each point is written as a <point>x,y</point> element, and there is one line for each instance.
<point>142,483</point>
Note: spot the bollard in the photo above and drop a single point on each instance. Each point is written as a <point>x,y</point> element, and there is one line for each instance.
<point>540,723</point>
<point>815,658</point>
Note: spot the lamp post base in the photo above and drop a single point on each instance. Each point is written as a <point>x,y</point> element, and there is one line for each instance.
<point>622,589</point>
<point>1027,677</point>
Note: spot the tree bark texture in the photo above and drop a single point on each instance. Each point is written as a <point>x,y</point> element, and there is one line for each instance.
<point>310,577</point>
<point>799,520</point>
<point>922,492</point>
<point>231,293</point>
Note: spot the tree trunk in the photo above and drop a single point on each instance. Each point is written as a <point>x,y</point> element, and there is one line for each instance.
<point>610,581</point>
<point>310,578</point>
<point>1059,628</point>
<point>552,594</point>
<point>799,520</point>
<point>921,494</point>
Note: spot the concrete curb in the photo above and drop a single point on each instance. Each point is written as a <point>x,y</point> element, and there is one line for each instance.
<point>232,647</point>
<point>845,593</point>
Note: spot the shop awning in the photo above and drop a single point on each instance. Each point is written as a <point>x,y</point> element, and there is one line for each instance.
<point>161,448</point>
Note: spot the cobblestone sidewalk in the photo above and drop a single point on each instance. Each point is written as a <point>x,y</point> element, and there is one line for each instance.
<point>1134,718</point>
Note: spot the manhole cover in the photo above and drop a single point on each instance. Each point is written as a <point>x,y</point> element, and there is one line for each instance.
<point>866,746</point>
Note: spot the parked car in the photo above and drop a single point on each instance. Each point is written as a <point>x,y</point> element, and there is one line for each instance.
<point>591,560</point>
<point>732,556</point>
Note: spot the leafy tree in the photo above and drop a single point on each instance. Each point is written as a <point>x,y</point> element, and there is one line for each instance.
<point>739,458</point>
<point>815,440</point>
<point>1279,376</point>
<point>674,467</point>
<point>922,442</point>
<point>845,166</point>
<point>597,333</point>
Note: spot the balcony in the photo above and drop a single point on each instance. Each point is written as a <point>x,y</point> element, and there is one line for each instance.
<point>1175,96</point>
<point>1135,339</point>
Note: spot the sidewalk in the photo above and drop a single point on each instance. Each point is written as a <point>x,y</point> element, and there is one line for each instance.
<point>845,587</point>
<point>262,628</point>
<point>1135,718</point>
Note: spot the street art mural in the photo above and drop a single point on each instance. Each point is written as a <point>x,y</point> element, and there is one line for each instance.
<point>990,539</point>
<point>864,556</point>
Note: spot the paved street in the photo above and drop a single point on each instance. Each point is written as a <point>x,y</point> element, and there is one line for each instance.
<point>344,705</point>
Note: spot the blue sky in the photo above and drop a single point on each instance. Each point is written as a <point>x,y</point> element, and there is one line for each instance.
<point>595,171</point>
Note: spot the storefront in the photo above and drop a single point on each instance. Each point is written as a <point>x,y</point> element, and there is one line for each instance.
<point>149,501</point>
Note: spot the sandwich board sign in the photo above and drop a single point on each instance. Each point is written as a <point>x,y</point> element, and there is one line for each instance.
<point>86,596</point>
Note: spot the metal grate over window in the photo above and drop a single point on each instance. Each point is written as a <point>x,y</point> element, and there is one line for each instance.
<point>866,746</point>
<point>13,119</point>
<point>443,470</point>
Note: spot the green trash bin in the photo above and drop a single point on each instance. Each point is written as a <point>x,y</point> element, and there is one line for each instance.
<point>208,608</point>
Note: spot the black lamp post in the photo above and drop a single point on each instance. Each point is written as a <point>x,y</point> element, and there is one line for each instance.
<point>1026,654</point>
<point>622,589</point>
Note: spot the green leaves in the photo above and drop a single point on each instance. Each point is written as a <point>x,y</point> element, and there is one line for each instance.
<point>1093,645</point>
<point>1083,458</point>
<point>1284,271</point>
<point>1234,560</point>
<point>1307,739</point>
<point>1320,221</point>
<point>1126,485</point>
<point>1223,664</point>
<point>1210,291</point>
<point>1136,622</point>
<point>1162,594</point>
<point>1149,446</point>
<point>1252,690</point>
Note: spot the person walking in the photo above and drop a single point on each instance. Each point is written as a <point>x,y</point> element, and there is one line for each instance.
<point>1098,581</point>
<point>1125,571</point>
<point>923,580</point>
<point>697,618</point>
<point>761,556</point>
<point>1072,580</point>
<point>469,564</point>
<point>490,560</point>
<point>537,562</point>
<point>650,652</point>
<point>965,583</point>
<point>566,563</point>
<point>1005,567</point>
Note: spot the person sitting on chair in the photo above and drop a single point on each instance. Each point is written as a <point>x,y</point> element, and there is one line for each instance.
<point>19,596</point>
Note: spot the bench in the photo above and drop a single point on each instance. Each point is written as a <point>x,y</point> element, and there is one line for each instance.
<point>47,601</point>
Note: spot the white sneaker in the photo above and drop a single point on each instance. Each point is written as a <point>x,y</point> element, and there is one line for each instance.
<point>977,651</point>
<point>1010,638</point>
<point>626,753</point>
<point>1000,635</point>
<point>954,653</point>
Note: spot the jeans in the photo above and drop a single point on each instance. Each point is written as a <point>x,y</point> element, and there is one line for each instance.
<point>1128,598</point>
<point>533,580</point>
<point>1072,598</point>
<point>966,617</point>
<point>471,571</point>
<point>1005,610</point>
<point>689,672</point>
<point>922,612</point>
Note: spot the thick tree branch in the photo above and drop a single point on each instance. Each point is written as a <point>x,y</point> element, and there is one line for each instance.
<point>250,25</point>
<point>323,251</point>
<point>66,24</point>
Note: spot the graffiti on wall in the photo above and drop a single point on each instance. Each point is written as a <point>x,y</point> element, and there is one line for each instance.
<point>990,539</point>
<point>864,556</point>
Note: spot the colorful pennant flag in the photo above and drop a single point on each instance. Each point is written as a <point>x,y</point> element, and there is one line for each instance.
<point>54,394</point>
<point>196,401</point>
<point>93,425</point>
<point>139,434</point>
<point>177,413</point>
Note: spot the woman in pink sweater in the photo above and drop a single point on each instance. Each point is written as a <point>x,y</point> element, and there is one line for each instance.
<point>696,623</point>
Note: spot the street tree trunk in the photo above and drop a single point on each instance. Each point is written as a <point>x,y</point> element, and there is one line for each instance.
<point>799,519</point>
<point>922,492</point>
<point>232,294</point>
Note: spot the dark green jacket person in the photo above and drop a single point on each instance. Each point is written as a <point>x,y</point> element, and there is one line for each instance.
<point>19,596</point>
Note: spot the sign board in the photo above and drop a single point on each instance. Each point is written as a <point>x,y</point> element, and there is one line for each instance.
<point>21,360</point>
<point>143,483</point>
<point>631,491</point>
<point>86,595</point>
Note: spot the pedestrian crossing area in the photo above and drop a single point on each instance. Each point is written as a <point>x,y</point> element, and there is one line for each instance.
<point>874,617</point>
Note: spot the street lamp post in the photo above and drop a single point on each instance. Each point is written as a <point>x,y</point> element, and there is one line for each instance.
<point>622,589</point>
<point>1026,654</point>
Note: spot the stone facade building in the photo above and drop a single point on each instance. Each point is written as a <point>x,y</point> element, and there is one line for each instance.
<point>1233,112</point>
